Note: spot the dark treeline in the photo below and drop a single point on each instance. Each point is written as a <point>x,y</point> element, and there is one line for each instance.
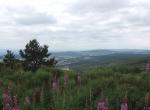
<point>33,57</point>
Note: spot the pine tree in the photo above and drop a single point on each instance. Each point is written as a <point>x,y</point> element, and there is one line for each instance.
<point>35,55</point>
<point>9,59</point>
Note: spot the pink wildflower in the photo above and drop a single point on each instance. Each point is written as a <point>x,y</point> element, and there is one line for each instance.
<point>78,79</point>
<point>55,84</point>
<point>16,107</point>
<point>7,99</point>
<point>26,101</point>
<point>15,103</point>
<point>148,65</point>
<point>124,105</point>
<point>146,108</point>
<point>66,78</point>
<point>7,107</point>
<point>101,105</point>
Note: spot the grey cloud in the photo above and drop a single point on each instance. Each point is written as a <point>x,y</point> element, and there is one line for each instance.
<point>29,16</point>
<point>36,19</point>
<point>87,24</point>
<point>87,6</point>
<point>128,14</point>
<point>139,20</point>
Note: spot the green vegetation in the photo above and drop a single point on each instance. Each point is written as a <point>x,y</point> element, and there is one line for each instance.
<point>9,59</point>
<point>35,55</point>
<point>42,86</point>
<point>114,82</point>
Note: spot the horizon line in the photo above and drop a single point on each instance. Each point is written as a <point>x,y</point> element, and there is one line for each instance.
<point>80,50</point>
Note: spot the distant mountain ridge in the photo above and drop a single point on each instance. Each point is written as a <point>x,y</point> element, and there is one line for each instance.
<point>96,52</point>
<point>99,52</point>
<point>96,57</point>
<point>99,56</point>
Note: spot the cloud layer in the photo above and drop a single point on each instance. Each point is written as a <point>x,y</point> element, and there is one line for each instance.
<point>76,24</point>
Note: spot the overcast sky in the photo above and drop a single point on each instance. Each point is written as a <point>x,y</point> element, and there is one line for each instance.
<point>75,24</point>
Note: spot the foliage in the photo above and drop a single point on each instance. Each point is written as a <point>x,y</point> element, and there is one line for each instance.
<point>114,84</point>
<point>9,59</point>
<point>35,55</point>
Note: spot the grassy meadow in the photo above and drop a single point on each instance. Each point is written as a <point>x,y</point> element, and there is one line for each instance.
<point>108,82</point>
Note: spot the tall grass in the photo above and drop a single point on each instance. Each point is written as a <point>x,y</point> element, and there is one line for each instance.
<point>113,83</point>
